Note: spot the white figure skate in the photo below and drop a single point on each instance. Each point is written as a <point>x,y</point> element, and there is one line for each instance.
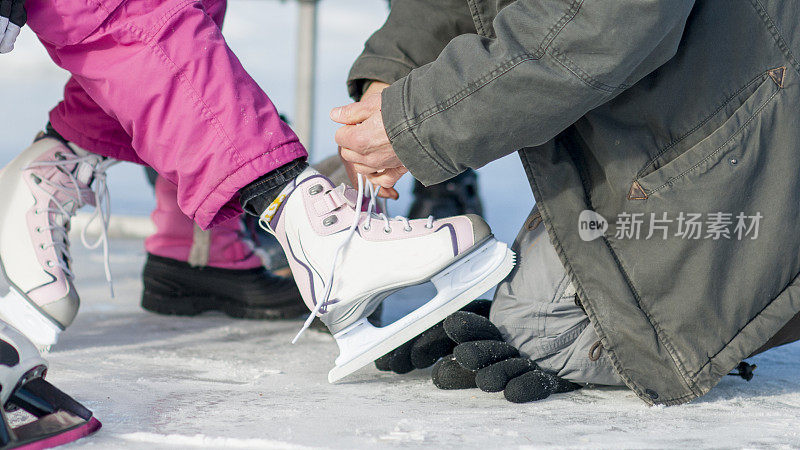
<point>42,189</point>
<point>346,262</point>
<point>58,418</point>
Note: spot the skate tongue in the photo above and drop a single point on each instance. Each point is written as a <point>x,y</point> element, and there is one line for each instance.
<point>347,193</point>
<point>345,240</point>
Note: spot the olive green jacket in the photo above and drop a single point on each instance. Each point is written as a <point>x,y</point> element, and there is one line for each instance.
<point>638,110</point>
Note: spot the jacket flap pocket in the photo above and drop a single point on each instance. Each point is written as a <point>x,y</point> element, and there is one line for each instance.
<point>713,148</point>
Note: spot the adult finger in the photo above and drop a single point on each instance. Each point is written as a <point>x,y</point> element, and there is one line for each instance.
<point>387,178</point>
<point>358,162</point>
<point>353,138</point>
<point>389,193</point>
<point>356,112</point>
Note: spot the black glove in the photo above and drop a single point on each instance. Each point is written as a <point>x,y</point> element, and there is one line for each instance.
<point>12,18</point>
<point>483,359</point>
<point>424,350</point>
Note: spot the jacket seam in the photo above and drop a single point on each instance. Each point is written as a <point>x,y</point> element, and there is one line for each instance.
<point>578,73</point>
<point>776,34</point>
<point>583,75</point>
<point>559,26</point>
<point>162,21</point>
<point>148,40</point>
<point>688,382</point>
<point>660,334</point>
<point>414,135</point>
<point>470,89</point>
<point>761,311</point>
<point>495,73</point>
<point>212,118</point>
<point>477,19</point>
<point>384,58</point>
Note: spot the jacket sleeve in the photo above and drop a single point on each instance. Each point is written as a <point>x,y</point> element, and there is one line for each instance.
<point>547,64</point>
<point>414,34</point>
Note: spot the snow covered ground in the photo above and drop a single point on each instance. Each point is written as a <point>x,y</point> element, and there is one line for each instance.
<point>162,382</point>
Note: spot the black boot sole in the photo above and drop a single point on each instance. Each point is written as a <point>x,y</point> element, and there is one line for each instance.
<point>174,288</point>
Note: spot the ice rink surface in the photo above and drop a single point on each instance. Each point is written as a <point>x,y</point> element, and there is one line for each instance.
<point>213,382</point>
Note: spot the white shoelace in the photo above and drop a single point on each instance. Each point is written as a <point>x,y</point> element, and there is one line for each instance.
<point>373,198</point>
<point>102,209</point>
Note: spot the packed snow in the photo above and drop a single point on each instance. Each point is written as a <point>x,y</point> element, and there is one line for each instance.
<point>214,382</point>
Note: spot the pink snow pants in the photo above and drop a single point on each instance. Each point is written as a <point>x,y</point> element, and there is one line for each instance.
<point>153,82</point>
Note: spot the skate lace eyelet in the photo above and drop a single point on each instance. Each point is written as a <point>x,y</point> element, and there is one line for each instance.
<point>330,220</point>
<point>41,246</point>
<point>315,189</point>
<point>50,263</point>
<point>60,156</point>
<point>387,230</point>
<point>38,229</point>
<point>428,226</point>
<point>408,229</point>
<point>366,227</point>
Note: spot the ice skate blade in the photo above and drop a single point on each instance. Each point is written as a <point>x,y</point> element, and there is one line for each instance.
<point>361,343</point>
<point>20,314</point>
<point>54,430</point>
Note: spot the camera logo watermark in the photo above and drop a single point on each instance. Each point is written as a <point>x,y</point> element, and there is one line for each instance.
<point>692,226</point>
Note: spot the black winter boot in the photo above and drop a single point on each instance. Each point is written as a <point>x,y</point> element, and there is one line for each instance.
<point>175,288</point>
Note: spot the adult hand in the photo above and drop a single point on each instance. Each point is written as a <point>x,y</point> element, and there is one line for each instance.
<point>12,18</point>
<point>363,143</point>
<point>483,359</point>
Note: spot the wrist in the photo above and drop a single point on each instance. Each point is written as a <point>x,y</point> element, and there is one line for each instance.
<point>374,87</point>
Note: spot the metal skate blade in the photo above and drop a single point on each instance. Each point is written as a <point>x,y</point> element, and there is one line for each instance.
<point>476,273</point>
<point>52,430</point>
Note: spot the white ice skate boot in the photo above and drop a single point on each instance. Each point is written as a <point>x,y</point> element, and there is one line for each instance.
<point>42,189</point>
<point>346,262</point>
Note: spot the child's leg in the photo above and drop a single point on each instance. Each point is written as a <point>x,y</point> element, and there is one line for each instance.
<point>163,70</point>
<point>178,238</point>
<point>190,271</point>
<point>77,118</point>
